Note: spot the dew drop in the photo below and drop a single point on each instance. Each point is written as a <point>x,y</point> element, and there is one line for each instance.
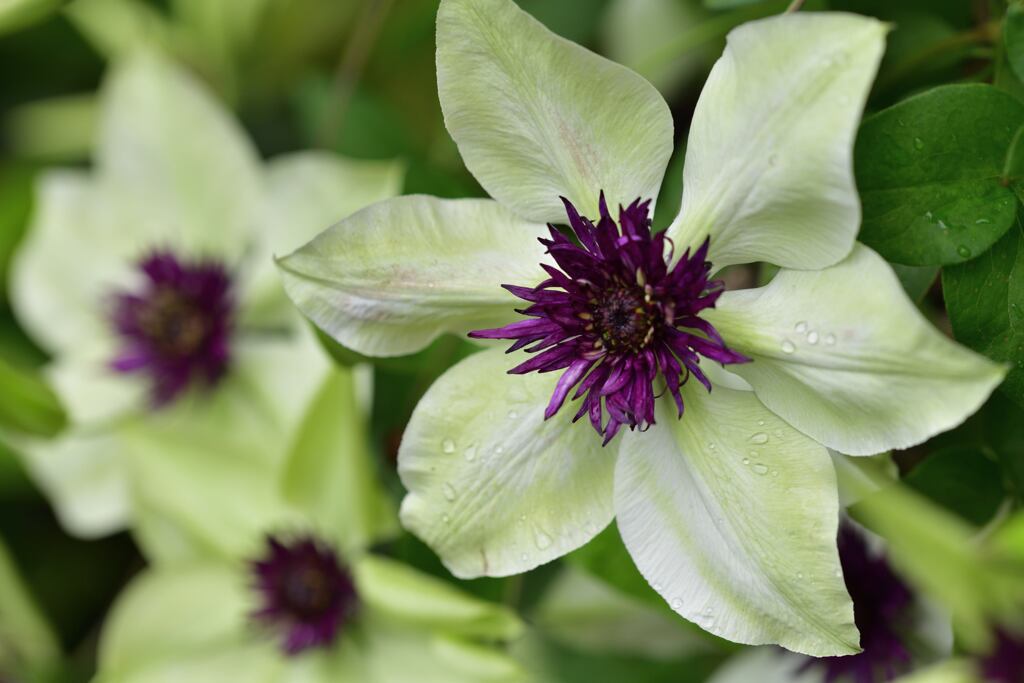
<point>779,433</point>
<point>656,586</point>
<point>499,450</point>
<point>801,327</point>
<point>964,251</point>
<point>677,603</point>
<point>470,454</point>
<point>775,473</point>
<point>812,337</point>
<point>787,346</point>
<point>760,423</point>
<point>524,557</point>
<point>758,438</point>
<point>800,575</point>
<point>760,468</point>
<point>522,518</point>
<point>830,339</point>
<point>448,446</point>
<point>512,415</point>
<point>839,573</point>
<point>445,518</point>
<point>918,144</point>
<point>448,490</point>
<point>542,540</point>
<point>746,461</point>
<point>712,446</point>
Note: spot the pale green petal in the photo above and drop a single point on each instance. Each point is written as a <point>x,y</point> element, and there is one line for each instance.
<point>206,471</point>
<point>588,614</point>
<point>91,392</point>
<point>178,158</point>
<point>769,164</point>
<point>844,356</point>
<point>118,28</point>
<point>307,192</point>
<point>186,624</point>
<point>330,472</point>
<point>953,671</point>
<point>77,250</point>
<point>403,655</point>
<point>391,278</point>
<point>495,489</point>
<point>82,473</point>
<point>766,665</point>
<point>731,515</point>
<point>406,596</point>
<point>852,475</point>
<point>536,116</point>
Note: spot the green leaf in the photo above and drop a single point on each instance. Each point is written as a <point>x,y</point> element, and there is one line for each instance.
<point>23,631</point>
<point>930,170</point>
<point>17,14</point>
<point>27,404</point>
<point>1013,39</point>
<point>985,300</point>
<point>962,480</point>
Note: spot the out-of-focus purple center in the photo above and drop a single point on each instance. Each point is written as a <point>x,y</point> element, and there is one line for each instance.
<point>306,593</point>
<point>614,315</point>
<point>1005,661</point>
<point>176,328</point>
<point>881,602</point>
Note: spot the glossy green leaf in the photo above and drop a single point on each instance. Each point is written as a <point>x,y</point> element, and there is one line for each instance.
<point>985,300</point>
<point>929,170</point>
<point>962,480</point>
<point>27,404</point>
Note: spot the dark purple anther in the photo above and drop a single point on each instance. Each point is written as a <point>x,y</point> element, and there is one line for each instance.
<point>177,327</point>
<point>881,603</point>
<point>613,315</point>
<point>306,593</point>
<point>1005,661</point>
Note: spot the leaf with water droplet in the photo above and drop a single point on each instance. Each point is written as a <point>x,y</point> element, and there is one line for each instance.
<point>920,206</point>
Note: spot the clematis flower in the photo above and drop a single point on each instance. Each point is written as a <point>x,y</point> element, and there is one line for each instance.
<point>286,590</point>
<point>150,281</point>
<point>899,630</point>
<point>726,499</point>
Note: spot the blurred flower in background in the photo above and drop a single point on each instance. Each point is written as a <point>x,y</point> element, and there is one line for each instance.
<point>150,282</point>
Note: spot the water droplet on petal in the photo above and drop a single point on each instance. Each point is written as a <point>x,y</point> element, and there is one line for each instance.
<point>448,446</point>
<point>787,346</point>
<point>812,337</point>
<point>779,433</point>
<point>542,540</point>
<point>801,327</point>
<point>448,490</point>
<point>499,450</point>
<point>746,461</point>
<point>677,603</point>
<point>524,557</point>
<point>760,423</point>
<point>656,586</point>
<point>964,251</point>
<point>470,454</point>
<point>760,468</point>
<point>800,575</point>
<point>759,438</point>
<point>830,339</point>
<point>839,573</point>
<point>712,446</point>
<point>512,415</point>
<point>445,518</point>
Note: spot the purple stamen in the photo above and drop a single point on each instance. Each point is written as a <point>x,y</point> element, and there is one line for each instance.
<point>307,594</point>
<point>177,328</point>
<point>614,315</point>
<point>881,603</point>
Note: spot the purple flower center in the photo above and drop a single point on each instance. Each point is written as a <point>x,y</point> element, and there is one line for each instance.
<point>177,327</point>
<point>307,593</point>
<point>614,316</point>
<point>881,603</point>
<point>1005,662</point>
